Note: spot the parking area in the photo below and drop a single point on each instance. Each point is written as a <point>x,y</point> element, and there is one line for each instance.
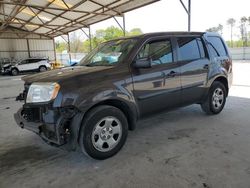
<point>182,148</point>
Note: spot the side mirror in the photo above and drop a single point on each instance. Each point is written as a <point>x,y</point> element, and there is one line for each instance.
<point>143,63</point>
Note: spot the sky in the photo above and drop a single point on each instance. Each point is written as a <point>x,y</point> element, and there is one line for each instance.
<point>169,15</point>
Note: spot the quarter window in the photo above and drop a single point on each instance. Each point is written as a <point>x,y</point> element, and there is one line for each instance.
<point>189,49</point>
<point>160,52</point>
<point>216,47</point>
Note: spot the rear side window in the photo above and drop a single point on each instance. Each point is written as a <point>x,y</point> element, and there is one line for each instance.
<point>216,47</point>
<point>190,48</point>
<point>159,51</point>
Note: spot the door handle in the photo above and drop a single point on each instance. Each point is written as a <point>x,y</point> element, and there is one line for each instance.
<point>206,66</point>
<point>171,74</point>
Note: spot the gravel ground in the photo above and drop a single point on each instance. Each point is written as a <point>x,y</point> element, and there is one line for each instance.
<point>182,148</point>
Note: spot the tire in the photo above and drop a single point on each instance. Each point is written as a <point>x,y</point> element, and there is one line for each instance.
<point>104,132</point>
<point>42,69</point>
<point>14,72</point>
<point>216,99</point>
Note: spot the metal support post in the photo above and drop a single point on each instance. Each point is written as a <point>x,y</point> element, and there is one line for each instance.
<point>69,50</point>
<point>188,11</point>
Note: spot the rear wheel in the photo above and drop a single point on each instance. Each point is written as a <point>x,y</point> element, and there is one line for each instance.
<point>216,99</point>
<point>104,132</point>
<point>14,72</point>
<point>42,69</point>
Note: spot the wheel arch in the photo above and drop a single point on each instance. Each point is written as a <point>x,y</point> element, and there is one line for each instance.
<point>14,68</point>
<point>42,66</point>
<point>77,121</point>
<point>130,113</point>
<point>224,81</point>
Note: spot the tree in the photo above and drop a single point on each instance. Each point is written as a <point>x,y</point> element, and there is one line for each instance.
<point>101,35</point>
<point>135,31</point>
<point>213,29</point>
<point>60,46</point>
<point>243,30</point>
<point>231,23</point>
<point>218,29</point>
<point>75,43</point>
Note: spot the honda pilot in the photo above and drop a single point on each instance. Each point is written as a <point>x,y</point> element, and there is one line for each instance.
<point>92,106</point>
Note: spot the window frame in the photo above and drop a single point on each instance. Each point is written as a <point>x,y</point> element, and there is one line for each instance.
<point>223,44</point>
<point>157,38</point>
<point>26,62</point>
<point>196,39</point>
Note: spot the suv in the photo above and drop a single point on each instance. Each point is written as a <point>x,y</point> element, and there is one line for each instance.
<point>94,104</point>
<point>26,65</point>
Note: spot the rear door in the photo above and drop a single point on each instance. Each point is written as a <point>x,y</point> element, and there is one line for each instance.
<point>194,63</point>
<point>158,87</point>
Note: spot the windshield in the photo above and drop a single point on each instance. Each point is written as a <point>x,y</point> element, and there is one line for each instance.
<point>109,53</point>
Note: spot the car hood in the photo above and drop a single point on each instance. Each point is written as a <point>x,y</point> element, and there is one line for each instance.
<point>66,73</point>
<point>7,65</point>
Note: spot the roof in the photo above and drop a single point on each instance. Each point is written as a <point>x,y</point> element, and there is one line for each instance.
<point>159,34</point>
<point>51,18</point>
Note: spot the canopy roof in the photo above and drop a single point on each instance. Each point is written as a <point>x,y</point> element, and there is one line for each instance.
<point>51,18</point>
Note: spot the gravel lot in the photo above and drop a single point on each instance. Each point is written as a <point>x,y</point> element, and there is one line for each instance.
<point>166,150</point>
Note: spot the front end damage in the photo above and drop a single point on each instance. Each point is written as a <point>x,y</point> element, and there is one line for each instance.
<point>53,124</point>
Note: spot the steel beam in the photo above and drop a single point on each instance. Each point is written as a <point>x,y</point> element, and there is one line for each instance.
<point>123,24</point>
<point>90,40</point>
<point>188,11</point>
<point>69,50</point>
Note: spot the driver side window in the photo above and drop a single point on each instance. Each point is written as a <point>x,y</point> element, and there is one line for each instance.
<point>160,52</point>
<point>24,62</point>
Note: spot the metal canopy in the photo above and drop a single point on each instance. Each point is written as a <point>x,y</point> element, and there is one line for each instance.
<point>51,18</point>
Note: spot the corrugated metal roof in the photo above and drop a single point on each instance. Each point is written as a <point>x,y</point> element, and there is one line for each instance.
<point>51,18</point>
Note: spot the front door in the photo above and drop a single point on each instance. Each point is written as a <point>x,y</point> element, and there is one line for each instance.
<point>158,87</point>
<point>23,65</point>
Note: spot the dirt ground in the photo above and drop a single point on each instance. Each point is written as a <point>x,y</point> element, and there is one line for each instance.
<point>182,148</point>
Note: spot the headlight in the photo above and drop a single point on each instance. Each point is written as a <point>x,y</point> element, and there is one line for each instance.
<point>42,92</point>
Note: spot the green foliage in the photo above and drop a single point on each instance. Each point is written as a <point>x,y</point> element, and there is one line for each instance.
<point>100,36</point>
<point>61,46</point>
<point>238,43</point>
<point>135,31</point>
<point>217,29</point>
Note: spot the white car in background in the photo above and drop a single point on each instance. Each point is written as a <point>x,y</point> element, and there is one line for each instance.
<point>27,65</point>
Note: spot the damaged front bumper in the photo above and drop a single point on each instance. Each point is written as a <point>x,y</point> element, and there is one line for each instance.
<point>48,123</point>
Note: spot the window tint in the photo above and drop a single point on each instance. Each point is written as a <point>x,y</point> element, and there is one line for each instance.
<point>189,49</point>
<point>159,51</point>
<point>201,48</point>
<point>34,60</point>
<point>24,62</point>
<point>216,46</point>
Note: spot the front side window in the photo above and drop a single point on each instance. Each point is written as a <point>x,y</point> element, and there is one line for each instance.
<point>216,47</point>
<point>24,62</point>
<point>109,53</point>
<point>189,49</point>
<point>160,52</point>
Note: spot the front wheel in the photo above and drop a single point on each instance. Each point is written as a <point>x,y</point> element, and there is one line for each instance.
<point>104,132</point>
<point>14,72</point>
<point>216,99</point>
